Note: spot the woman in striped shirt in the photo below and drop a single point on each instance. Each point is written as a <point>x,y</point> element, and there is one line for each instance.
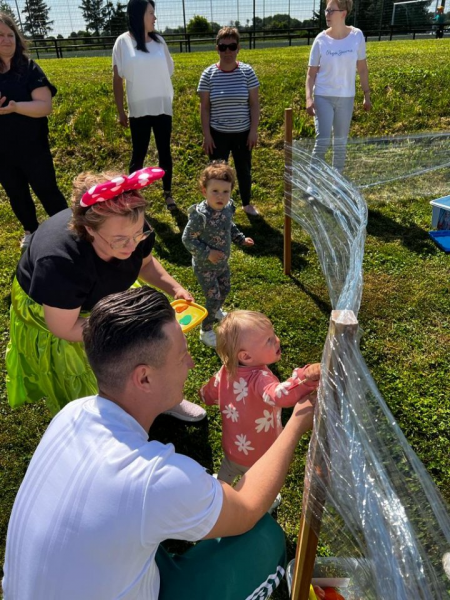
<point>229,109</point>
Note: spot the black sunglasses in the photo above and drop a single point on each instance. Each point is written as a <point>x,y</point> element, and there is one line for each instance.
<point>223,47</point>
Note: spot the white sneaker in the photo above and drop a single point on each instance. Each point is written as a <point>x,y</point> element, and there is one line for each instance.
<point>276,503</point>
<point>25,241</point>
<point>221,314</point>
<point>251,210</point>
<point>187,411</point>
<point>208,338</point>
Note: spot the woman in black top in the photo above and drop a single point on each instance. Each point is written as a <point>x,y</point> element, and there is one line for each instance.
<point>75,258</point>
<point>25,158</point>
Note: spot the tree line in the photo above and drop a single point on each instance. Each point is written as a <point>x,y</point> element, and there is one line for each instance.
<point>103,17</point>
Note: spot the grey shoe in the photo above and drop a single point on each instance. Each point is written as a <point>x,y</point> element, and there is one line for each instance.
<point>187,411</point>
<point>220,314</point>
<point>208,338</point>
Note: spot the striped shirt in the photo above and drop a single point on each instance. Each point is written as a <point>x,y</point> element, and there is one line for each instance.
<point>229,96</point>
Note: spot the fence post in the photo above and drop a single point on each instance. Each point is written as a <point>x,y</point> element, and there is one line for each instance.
<point>287,234</point>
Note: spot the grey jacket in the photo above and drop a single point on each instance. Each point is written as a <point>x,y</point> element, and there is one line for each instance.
<point>209,229</point>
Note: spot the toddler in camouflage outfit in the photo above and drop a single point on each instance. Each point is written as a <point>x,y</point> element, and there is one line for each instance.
<point>208,236</point>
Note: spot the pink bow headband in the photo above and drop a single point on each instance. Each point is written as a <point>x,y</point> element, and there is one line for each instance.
<point>119,185</point>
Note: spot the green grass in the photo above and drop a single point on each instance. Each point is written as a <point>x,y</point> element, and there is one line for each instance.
<point>406,302</point>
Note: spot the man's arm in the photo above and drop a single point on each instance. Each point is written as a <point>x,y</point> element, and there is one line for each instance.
<point>252,497</point>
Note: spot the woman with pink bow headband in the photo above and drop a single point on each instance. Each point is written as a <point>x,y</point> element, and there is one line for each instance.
<point>99,247</point>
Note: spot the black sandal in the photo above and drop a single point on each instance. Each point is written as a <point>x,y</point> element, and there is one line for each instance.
<point>170,202</point>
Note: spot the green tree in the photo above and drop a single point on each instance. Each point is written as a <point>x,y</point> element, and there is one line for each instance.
<point>37,23</point>
<point>198,24</point>
<point>95,15</point>
<point>5,8</point>
<point>117,18</point>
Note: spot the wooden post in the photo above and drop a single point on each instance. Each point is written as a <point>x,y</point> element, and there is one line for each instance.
<point>343,325</point>
<point>287,254</point>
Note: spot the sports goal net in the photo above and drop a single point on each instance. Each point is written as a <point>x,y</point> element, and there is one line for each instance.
<point>412,14</point>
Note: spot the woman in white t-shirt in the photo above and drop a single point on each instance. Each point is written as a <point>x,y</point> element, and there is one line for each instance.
<point>142,59</point>
<point>337,53</point>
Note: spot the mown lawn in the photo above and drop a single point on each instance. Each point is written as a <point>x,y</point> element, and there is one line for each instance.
<point>406,302</point>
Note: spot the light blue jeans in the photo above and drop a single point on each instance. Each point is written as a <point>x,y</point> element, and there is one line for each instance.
<point>333,115</point>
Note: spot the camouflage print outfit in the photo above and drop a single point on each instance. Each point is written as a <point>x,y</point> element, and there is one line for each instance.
<point>206,230</point>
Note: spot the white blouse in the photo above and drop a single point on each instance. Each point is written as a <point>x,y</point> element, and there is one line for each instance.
<point>147,76</point>
<point>337,62</point>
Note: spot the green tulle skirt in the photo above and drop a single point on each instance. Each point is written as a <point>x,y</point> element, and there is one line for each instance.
<point>40,365</point>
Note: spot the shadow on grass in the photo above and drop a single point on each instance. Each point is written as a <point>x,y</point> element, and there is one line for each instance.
<point>411,235</point>
<point>322,305</point>
<point>269,241</point>
<point>189,439</point>
<point>168,241</point>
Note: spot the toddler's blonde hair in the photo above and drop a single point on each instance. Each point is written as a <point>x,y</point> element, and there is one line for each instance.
<point>230,332</point>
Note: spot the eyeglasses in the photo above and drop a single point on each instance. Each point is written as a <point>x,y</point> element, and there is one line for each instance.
<point>224,47</point>
<point>123,243</point>
<point>330,11</point>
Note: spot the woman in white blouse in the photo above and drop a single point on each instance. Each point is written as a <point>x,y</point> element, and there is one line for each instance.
<point>142,59</point>
<point>337,53</point>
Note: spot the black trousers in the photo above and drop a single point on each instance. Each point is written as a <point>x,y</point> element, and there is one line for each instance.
<point>34,167</point>
<point>236,143</point>
<point>141,128</point>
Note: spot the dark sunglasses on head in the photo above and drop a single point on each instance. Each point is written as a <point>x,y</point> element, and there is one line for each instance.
<point>223,47</point>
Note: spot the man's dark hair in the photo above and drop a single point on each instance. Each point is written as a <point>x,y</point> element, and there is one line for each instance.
<point>126,330</point>
<point>135,12</point>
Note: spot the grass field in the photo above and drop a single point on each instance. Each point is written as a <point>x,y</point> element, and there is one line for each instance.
<point>406,301</point>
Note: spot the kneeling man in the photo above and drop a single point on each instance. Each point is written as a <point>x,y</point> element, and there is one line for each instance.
<point>98,498</point>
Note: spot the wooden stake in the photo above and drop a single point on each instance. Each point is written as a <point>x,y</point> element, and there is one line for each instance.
<point>287,254</point>
<point>343,323</point>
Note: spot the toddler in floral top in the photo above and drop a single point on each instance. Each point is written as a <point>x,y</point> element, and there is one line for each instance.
<point>249,395</point>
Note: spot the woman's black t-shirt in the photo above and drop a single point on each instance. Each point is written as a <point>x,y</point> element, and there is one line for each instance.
<point>60,270</point>
<point>19,131</point>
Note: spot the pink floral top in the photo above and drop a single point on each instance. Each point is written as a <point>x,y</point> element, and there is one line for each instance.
<point>251,408</point>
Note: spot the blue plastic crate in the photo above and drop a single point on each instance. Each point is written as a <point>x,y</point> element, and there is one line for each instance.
<point>441,238</point>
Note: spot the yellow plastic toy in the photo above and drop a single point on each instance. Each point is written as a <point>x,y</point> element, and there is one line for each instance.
<point>312,595</point>
<point>188,314</point>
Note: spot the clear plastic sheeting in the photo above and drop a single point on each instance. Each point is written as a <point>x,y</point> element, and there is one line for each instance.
<point>377,161</point>
<point>338,236</point>
<point>366,492</point>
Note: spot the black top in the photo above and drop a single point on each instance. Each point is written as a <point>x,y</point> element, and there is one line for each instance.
<point>19,130</point>
<point>60,270</point>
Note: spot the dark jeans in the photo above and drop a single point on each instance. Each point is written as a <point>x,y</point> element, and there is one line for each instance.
<point>236,143</point>
<point>34,168</point>
<point>141,128</point>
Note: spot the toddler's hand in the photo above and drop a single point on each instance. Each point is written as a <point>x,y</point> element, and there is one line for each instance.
<point>248,242</point>
<point>216,256</point>
<point>313,372</point>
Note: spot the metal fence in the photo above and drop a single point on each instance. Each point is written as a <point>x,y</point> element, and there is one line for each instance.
<point>262,23</point>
